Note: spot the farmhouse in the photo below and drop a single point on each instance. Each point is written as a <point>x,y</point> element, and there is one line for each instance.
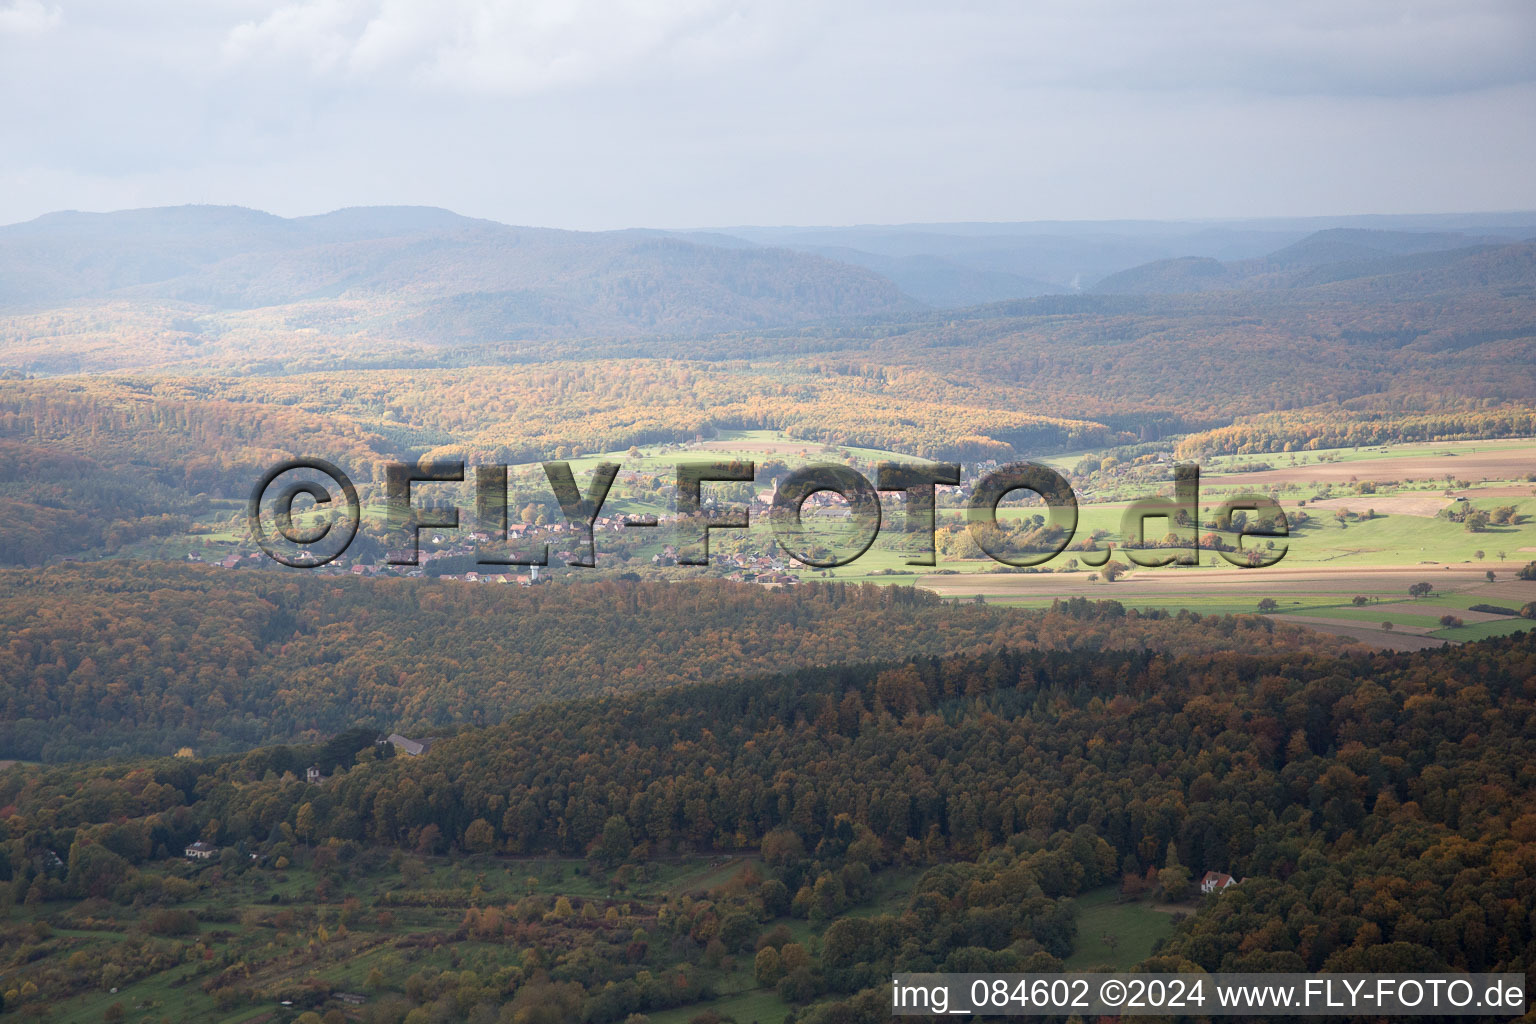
<point>407,746</point>
<point>200,851</point>
<point>1216,881</point>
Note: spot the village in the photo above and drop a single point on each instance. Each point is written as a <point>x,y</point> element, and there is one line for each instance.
<point>442,548</point>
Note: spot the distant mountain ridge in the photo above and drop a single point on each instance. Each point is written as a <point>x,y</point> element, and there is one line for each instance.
<point>948,265</point>
<point>1333,256</point>
<point>449,276</point>
<point>193,284</point>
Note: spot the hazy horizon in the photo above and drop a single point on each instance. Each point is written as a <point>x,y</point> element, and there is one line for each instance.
<point>1387,220</point>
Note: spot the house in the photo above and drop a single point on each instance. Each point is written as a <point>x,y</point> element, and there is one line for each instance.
<point>409,747</point>
<point>200,851</point>
<point>312,774</point>
<point>1216,881</point>
<point>230,561</point>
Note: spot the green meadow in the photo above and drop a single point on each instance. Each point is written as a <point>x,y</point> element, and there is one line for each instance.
<point>1114,934</point>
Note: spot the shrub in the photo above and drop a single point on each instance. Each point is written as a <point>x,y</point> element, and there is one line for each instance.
<point>766,966</point>
<point>171,922</point>
<point>799,987</point>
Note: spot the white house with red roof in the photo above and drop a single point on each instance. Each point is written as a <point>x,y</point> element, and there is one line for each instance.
<point>1216,881</point>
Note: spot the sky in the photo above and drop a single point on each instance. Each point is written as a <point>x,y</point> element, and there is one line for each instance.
<point>693,113</point>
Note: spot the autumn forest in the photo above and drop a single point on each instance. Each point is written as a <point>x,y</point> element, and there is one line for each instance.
<point>400,790</point>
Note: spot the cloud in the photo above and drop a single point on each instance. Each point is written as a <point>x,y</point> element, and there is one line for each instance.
<point>29,18</point>
<point>1304,47</point>
<point>494,47</point>
<point>1307,47</point>
<point>623,112</point>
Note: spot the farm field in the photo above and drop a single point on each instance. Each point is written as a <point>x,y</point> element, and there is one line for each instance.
<point>1332,557</point>
<point>1320,597</point>
<point>1508,459</point>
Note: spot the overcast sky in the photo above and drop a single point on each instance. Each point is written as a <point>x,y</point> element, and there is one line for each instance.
<point>678,113</point>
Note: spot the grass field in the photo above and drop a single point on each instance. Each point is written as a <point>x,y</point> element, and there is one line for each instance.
<point>760,1006</point>
<point>1484,630</point>
<point>1115,936</point>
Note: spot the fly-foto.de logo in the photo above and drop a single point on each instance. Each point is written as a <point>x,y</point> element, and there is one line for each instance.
<point>334,513</point>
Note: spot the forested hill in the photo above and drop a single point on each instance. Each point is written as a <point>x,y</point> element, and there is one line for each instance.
<point>1377,808</point>
<point>430,274</point>
<point>107,661</point>
<point>1219,752</point>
